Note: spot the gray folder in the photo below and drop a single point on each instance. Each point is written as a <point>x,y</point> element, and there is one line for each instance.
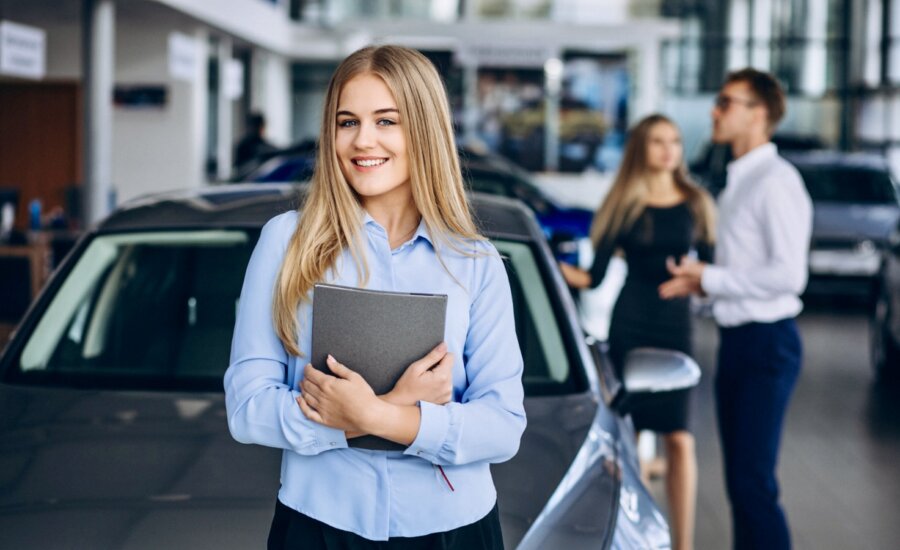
<point>375,333</point>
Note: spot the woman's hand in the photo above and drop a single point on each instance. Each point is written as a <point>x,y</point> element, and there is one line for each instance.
<point>575,277</point>
<point>428,379</point>
<point>344,401</point>
<point>687,277</point>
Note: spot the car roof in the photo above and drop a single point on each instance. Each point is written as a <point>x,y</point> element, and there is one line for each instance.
<point>252,205</point>
<point>823,159</point>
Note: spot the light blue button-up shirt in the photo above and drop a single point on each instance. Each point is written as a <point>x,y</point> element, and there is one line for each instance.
<point>382,494</point>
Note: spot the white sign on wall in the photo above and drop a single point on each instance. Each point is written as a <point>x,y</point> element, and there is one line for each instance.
<point>502,54</point>
<point>233,79</point>
<point>22,50</point>
<point>183,56</point>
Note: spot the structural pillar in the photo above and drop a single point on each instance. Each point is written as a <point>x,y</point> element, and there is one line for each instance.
<point>98,47</point>
<point>224,112</point>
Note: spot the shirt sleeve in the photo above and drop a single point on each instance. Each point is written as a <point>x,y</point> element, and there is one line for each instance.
<point>487,425</point>
<point>786,223</point>
<point>261,407</point>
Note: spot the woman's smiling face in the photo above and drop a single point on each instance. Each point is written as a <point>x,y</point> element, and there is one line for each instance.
<point>369,141</point>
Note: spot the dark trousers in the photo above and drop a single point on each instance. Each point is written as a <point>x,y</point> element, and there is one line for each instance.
<point>293,530</point>
<point>758,367</point>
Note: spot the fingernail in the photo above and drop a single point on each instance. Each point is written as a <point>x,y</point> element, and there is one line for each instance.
<point>330,358</point>
<point>442,346</point>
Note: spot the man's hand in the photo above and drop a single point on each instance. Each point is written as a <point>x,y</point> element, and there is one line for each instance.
<point>686,277</point>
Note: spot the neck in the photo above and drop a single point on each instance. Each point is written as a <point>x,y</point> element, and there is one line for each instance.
<point>398,219</point>
<point>660,182</point>
<point>747,143</point>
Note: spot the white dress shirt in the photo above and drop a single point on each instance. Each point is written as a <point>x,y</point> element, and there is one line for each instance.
<point>762,245</point>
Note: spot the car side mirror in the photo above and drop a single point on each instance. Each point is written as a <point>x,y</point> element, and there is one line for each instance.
<point>653,370</point>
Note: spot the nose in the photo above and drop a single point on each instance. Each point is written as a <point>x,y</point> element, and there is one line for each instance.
<point>365,136</point>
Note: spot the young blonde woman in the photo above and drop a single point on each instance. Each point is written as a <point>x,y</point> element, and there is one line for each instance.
<point>652,215</point>
<point>386,210</point>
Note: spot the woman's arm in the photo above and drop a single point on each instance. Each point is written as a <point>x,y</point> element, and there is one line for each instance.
<point>487,425</point>
<point>579,278</point>
<point>261,408</point>
<point>346,402</point>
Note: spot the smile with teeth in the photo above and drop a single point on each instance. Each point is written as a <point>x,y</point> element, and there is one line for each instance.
<point>368,163</point>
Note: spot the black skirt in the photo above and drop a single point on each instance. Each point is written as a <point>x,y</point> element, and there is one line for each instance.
<point>292,530</point>
<point>641,319</point>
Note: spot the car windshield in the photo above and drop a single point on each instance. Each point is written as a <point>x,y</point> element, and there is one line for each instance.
<point>849,185</point>
<point>156,311</point>
<point>493,183</point>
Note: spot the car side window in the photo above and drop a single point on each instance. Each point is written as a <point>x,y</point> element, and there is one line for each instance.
<point>547,368</point>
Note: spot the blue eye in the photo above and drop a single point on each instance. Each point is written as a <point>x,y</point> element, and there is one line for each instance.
<point>386,122</point>
<point>347,123</point>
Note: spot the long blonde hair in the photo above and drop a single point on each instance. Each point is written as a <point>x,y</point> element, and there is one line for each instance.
<point>331,217</point>
<point>627,199</point>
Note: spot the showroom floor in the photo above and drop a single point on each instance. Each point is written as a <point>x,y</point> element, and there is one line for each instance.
<point>840,458</point>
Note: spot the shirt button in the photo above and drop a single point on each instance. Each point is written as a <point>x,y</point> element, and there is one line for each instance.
<point>332,443</point>
<point>419,453</point>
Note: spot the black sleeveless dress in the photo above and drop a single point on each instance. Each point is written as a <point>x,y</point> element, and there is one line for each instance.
<point>640,317</point>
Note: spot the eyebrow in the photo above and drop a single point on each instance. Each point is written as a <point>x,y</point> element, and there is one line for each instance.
<point>377,112</point>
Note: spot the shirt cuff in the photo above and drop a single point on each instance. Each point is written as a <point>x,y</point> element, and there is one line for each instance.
<point>433,427</point>
<point>326,438</point>
<point>329,438</point>
<point>711,280</point>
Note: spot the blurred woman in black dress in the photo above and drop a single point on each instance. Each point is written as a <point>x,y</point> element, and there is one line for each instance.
<point>654,214</point>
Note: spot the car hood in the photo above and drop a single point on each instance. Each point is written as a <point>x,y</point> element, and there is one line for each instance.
<point>847,221</point>
<point>106,469</point>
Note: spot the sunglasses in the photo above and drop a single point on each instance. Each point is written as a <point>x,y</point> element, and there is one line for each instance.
<point>723,102</point>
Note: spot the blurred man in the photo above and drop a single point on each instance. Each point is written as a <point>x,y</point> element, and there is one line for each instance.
<point>759,271</point>
<point>253,147</point>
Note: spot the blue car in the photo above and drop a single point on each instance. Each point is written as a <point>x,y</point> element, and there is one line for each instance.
<point>484,173</point>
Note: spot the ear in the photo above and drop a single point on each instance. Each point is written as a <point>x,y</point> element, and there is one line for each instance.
<point>760,117</point>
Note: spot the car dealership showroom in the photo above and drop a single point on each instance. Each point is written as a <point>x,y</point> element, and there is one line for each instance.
<point>522,274</point>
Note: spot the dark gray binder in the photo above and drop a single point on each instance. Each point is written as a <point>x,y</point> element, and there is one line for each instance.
<point>375,333</point>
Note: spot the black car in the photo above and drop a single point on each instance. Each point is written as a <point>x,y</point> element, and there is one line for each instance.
<point>112,419</point>
<point>884,329</point>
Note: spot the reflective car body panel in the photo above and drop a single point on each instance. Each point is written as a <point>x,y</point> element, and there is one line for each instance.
<point>128,460</point>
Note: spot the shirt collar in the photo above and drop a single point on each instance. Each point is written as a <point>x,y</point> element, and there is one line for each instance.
<point>373,226</point>
<point>757,156</point>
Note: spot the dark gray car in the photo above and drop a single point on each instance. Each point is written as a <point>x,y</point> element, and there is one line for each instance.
<point>855,208</point>
<point>112,419</point>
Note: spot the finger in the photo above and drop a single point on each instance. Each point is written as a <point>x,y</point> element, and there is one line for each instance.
<point>314,375</point>
<point>308,411</point>
<point>431,359</point>
<point>671,266</point>
<point>339,370</point>
<point>673,289</point>
<point>311,400</point>
<point>445,364</point>
<point>310,388</point>
<point>666,289</point>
